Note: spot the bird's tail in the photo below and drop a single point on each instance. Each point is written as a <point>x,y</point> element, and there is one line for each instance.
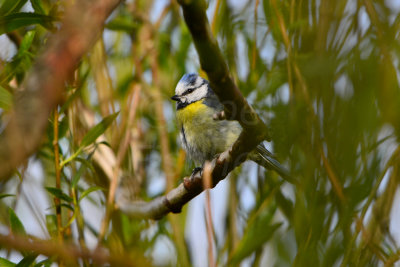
<point>266,159</point>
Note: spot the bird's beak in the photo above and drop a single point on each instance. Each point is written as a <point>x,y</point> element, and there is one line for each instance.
<point>175,98</point>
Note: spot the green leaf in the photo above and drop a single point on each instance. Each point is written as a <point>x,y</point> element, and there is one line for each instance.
<point>63,127</point>
<point>38,7</point>
<point>67,206</point>
<point>51,224</point>
<point>27,260</point>
<point>70,99</point>
<point>26,42</point>
<point>91,136</point>
<point>78,175</point>
<point>6,195</point>
<point>16,225</point>
<point>6,263</point>
<point>98,130</point>
<point>59,193</point>
<point>267,10</point>
<point>6,99</point>
<point>257,233</point>
<point>44,263</point>
<point>71,220</point>
<point>11,6</point>
<point>90,190</point>
<point>14,21</point>
<point>122,23</point>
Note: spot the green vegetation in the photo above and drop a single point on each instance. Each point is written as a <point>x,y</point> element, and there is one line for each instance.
<point>323,75</point>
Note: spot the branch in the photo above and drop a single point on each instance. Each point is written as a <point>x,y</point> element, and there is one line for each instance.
<point>43,86</point>
<point>236,108</point>
<point>69,253</point>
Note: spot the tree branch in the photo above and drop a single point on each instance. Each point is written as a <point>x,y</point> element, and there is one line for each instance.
<point>69,253</point>
<point>43,87</point>
<point>236,107</point>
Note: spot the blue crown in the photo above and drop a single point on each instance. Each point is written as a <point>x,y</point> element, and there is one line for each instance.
<point>189,78</point>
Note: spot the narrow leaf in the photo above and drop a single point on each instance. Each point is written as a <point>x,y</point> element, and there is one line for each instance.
<point>16,225</point>
<point>86,165</point>
<point>11,6</point>
<point>5,99</point>
<point>63,127</point>
<point>98,130</point>
<point>26,42</point>
<point>126,24</point>
<point>59,193</point>
<point>257,233</point>
<point>6,263</point>
<point>249,245</point>
<point>38,6</point>
<point>44,263</point>
<point>51,224</point>
<point>78,175</point>
<point>6,195</point>
<point>27,260</point>
<point>90,190</point>
<point>71,220</point>
<point>67,206</point>
<point>14,21</point>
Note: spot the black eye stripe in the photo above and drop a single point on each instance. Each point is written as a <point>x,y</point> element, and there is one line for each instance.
<point>188,91</point>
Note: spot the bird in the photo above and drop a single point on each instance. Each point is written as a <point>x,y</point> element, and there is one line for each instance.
<point>203,136</point>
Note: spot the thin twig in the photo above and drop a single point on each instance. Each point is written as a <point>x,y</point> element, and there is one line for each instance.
<point>104,88</point>
<point>379,220</point>
<point>162,16</point>
<point>288,46</point>
<point>359,221</point>
<point>167,164</point>
<point>254,52</point>
<point>233,207</point>
<point>393,259</point>
<point>207,182</point>
<point>337,187</point>
<point>167,160</point>
<point>68,252</point>
<point>120,156</point>
<point>57,201</point>
<point>215,17</point>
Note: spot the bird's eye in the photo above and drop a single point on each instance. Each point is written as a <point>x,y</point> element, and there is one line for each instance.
<point>190,90</point>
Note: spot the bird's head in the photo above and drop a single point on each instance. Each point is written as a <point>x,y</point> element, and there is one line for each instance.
<point>191,88</point>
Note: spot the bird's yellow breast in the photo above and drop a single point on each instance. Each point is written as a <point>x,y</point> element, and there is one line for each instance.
<point>201,135</point>
<point>190,112</point>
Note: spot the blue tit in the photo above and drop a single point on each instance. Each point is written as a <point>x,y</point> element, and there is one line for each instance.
<point>203,136</point>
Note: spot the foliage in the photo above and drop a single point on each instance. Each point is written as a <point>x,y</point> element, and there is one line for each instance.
<point>324,75</point>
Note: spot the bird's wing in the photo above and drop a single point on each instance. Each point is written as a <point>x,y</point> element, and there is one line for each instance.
<point>213,102</point>
<point>266,159</point>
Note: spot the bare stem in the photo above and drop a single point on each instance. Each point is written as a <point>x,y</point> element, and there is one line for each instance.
<point>115,179</point>
<point>210,230</point>
<point>215,16</point>
<point>57,201</point>
<point>254,52</point>
<point>68,252</point>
